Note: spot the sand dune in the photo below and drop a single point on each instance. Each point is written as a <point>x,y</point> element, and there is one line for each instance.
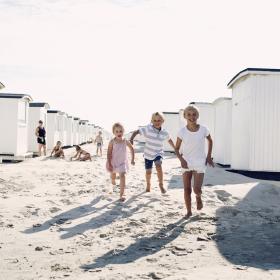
<point>61,219</point>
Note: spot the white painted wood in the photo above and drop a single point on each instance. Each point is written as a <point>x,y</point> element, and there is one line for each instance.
<point>172,124</point>
<point>223,128</point>
<point>14,124</point>
<point>35,114</point>
<point>52,128</point>
<point>255,121</point>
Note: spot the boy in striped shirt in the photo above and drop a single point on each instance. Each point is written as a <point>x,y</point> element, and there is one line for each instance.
<point>154,136</point>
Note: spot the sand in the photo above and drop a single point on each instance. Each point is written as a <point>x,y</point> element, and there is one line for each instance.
<point>61,219</point>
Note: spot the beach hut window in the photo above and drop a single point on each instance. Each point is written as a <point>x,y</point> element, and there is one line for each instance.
<point>22,111</point>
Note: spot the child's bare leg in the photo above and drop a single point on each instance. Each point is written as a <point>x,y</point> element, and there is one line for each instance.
<point>187,180</point>
<point>160,177</point>
<point>122,186</point>
<point>113,178</point>
<point>45,150</point>
<point>148,179</point>
<point>198,180</point>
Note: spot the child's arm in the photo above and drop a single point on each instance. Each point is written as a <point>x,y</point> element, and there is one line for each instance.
<point>52,151</point>
<point>134,134</point>
<point>109,155</point>
<point>171,143</point>
<point>37,132</point>
<point>79,154</point>
<point>75,155</point>
<point>184,164</point>
<point>209,154</point>
<point>132,152</point>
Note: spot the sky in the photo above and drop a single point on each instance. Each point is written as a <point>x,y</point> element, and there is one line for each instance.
<point>122,60</point>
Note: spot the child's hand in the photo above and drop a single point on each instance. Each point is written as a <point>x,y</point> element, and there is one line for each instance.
<point>132,162</point>
<point>209,161</point>
<point>110,167</point>
<point>184,164</point>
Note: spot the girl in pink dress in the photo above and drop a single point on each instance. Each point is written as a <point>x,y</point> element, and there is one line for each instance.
<point>117,159</point>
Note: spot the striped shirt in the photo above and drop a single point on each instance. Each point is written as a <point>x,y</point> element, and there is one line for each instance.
<point>154,140</point>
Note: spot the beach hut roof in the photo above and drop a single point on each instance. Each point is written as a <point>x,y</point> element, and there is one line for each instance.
<point>248,71</point>
<point>221,99</point>
<point>53,111</point>
<point>174,113</point>
<point>39,104</point>
<point>206,103</point>
<point>1,85</point>
<point>16,96</point>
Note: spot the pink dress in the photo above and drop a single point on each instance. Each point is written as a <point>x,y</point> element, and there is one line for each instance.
<point>119,157</point>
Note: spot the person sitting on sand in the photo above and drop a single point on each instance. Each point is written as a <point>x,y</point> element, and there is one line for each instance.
<point>155,136</point>
<point>81,154</point>
<point>99,143</point>
<point>57,151</point>
<point>117,160</point>
<point>194,159</point>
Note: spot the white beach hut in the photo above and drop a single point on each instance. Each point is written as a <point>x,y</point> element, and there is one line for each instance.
<point>223,120</point>
<point>76,139</point>
<point>37,111</point>
<point>83,131</point>
<point>172,124</point>
<point>69,131</point>
<point>255,120</point>
<point>62,127</point>
<point>52,128</point>
<point>14,110</point>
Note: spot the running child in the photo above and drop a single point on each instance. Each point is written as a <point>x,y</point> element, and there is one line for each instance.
<point>99,143</point>
<point>81,154</point>
<point>155,136</point>
<point>117,159</point>
<point>194,159</point>
<point>57,151</point>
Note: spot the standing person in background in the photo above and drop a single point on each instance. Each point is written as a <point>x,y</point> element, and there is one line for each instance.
<point>155,136</point>
<point>99,143</point>
<point>194,159</point>
<point>41,138</point>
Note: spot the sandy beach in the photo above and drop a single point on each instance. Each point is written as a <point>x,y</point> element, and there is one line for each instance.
<point>61,219</point>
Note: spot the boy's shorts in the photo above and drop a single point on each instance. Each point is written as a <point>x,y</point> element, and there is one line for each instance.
<point>149,163</point>
<point>197,169</point>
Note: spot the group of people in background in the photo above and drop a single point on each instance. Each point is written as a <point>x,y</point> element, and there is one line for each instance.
<point>57,151</point>
<point>189,148</point>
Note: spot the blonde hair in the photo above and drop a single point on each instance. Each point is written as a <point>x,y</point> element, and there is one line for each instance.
<point>116,125</point>
<point>157,114</point>
<point>191,108</point>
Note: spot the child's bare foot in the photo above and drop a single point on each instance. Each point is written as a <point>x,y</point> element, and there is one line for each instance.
<point>162,189</point>
<point>199,204</point>
<point>122,198</point>
<point>188,215</point>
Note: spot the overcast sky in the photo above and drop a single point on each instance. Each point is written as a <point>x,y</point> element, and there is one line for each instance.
<point>120,60</point>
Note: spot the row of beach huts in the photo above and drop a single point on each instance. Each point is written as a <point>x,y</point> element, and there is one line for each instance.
<point>19,117</point>
<point>246,127</point>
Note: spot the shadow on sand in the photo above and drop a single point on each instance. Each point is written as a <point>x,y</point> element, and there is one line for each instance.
<point>142,247</point>
<point>118,211</point>
<point>72,214</point>
<point>248,233</point>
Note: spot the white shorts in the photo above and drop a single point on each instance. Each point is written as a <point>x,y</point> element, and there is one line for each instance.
<point>197,169</point>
